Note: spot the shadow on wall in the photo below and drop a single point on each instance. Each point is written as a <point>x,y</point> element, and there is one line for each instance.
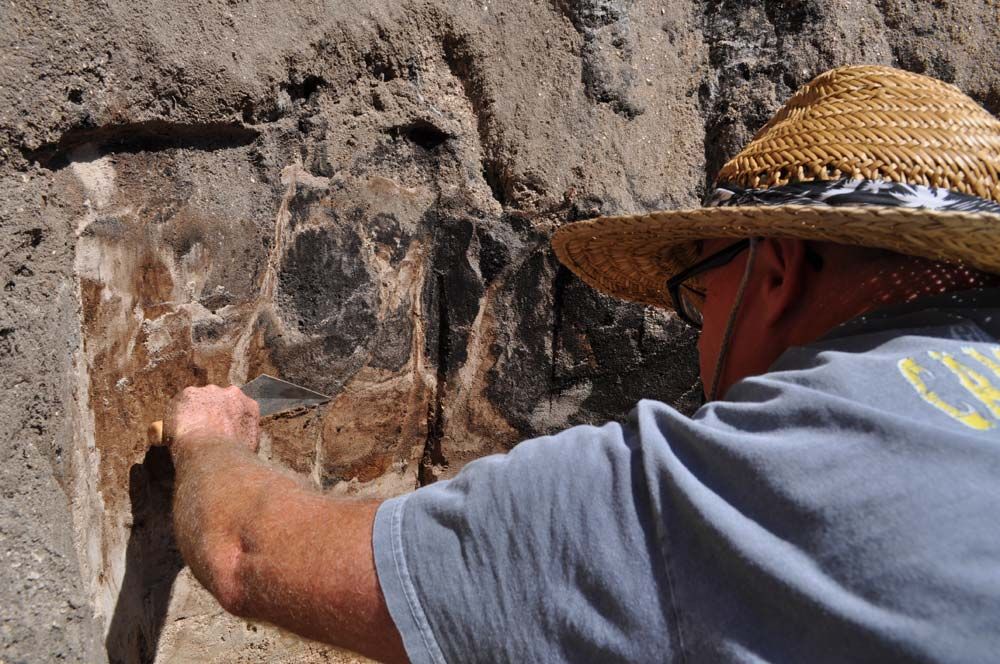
<point>152,562</point>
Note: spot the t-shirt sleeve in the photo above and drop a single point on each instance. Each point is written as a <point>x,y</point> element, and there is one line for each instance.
<point>548,553</point>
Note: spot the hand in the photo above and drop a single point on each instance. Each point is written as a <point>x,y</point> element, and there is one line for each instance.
<point>211,413</point>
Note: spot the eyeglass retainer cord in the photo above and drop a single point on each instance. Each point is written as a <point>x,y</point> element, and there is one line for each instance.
<point>727,336</point>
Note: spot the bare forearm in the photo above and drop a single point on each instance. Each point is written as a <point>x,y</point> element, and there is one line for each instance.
<point>218,484</point>
<point>270,548</point>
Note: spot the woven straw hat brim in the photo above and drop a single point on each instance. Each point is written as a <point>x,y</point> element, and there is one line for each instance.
<point>632,257</point>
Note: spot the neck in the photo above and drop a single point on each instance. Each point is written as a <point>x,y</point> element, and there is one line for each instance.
<point>861,287</point>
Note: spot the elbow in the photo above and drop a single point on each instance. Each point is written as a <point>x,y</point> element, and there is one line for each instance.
<point>233,598</point>
<point>228,579</point>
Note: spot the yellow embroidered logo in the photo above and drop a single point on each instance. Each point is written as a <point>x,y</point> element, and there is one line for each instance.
<point>972,378</point>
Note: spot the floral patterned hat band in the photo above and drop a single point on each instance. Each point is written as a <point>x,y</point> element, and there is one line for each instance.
<point>848,193</point>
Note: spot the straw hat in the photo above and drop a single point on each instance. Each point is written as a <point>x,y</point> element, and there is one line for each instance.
<point>861,155</point>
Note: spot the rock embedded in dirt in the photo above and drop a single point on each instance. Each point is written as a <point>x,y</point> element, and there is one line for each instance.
<point>358,199</point>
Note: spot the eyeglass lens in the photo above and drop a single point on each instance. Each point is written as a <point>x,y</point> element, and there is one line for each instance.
<point>691,301</point>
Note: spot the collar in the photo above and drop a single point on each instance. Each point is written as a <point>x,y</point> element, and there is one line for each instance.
<point>944,309</point>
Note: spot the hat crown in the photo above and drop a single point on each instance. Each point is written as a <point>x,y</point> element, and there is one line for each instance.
<point>877,123</point>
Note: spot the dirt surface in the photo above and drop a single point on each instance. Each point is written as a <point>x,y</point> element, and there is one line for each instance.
<point>356,197</point>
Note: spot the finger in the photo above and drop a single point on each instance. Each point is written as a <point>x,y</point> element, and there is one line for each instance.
<point>154,434</point>
<point>252,434</point>
<point>253,407</point>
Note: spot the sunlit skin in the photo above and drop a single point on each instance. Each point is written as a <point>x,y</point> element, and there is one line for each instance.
<point>269,547</point>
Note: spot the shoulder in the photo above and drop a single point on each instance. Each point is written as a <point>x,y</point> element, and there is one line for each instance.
<point>899,381</point>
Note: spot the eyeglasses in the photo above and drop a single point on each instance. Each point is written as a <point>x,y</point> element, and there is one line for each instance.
<point>688,298</point>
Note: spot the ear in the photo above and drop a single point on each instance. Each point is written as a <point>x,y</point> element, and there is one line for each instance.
<point>783,273</point>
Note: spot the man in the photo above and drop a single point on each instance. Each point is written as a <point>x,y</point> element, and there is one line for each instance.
<point>839,503</point>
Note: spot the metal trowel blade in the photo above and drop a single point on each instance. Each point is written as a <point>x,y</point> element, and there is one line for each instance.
<point>274,395</point>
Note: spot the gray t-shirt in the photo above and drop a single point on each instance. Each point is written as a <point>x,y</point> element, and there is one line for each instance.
<point>845,506</point>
